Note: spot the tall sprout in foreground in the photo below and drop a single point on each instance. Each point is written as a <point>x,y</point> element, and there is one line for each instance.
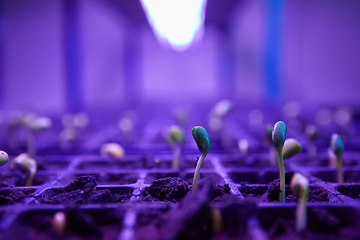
<point>337,147</point>
<point>300,186</point>
<point>285,150</point>
<point>176,139</point>
<point>202,140</point>
<point>278,137</point>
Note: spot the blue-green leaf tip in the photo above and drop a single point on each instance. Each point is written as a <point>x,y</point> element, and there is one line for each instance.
<point>336,144</point>
<point>279,135</point>
<point>202,139</point>
<point>3,158</point>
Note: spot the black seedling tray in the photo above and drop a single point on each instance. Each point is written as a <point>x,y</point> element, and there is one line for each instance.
<point>105,198</point>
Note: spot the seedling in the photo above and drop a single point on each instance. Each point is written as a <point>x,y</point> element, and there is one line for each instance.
<point>278,137</point>
<point>311,132</point>
<point>76,121</point>
<point>35,124</point>
<point>66,136</point>
<point>27,163</point>
<point>59,222</point>
<point>180,116</point>
<point>176,139</point>
<point>243,145</point>
<point>126,123</point>
<point>81,120</point>
<point>113,150</point>
<point>300,186</point>
<point>337,147</point>
<point>216,219</point>
<point>216,120</point>
<point>3,158</point>
<point>203,143</point>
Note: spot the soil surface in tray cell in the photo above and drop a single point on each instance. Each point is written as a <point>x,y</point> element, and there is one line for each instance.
<point>81,191</point>
<point>351,190</point>
<point>174,188</point>
<point>323,223</point>
<point>270,193</point>
<point>193,218</point>
<point>19,178</point>
<point>13,195</point>
<point>81,224</point>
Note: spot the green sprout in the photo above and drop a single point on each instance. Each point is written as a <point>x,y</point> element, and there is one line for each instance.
<point>311,133</point>
<point>176,139</point>
<point>113,150</point>
<point>285,150</point>
<point>337,147</point>
<point>3,158</point>
<point>300,186</point>
<point>180,116</point>
<point>202,140</point>
<point>278,137</point>
<point>291,148</point>
<point>27,163</point>
<point>35,124</point>
<point>216,120</point>
<point>216,219</point>
<point>243,146</point>
<point>59,222</point>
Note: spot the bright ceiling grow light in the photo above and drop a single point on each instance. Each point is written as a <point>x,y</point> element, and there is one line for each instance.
<point>176,22</point>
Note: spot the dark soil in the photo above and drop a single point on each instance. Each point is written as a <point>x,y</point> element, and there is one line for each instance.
<point>352,190</point>
<point>81,224</point>
<point>270,193</point>
<point>19,177</point>
<point>12,195</point>
<point>174,188</point>
<point>81,191</point>
<point>323,223</point>
<point>166,189</point>
<point>191,219</point>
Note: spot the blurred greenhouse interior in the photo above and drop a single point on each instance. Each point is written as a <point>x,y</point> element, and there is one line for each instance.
<point>68,55</point>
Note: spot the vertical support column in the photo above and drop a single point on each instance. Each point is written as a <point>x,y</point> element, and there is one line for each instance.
<point>72,55</point>
<point>226,65</point>
<point>131,59</point>
<point>2,35</point>
<point>273,32</point>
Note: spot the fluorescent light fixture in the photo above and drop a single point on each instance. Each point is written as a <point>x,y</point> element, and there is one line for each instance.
<point>176,22</point>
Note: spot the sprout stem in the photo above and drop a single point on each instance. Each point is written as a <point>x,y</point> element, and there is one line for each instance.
<point>301,211</point>
<point>197,171</point>
<point>30,144</point>
<point>30,179</point>
<point>282,177</point>
<point>177,154</point>
<point>340,174</point>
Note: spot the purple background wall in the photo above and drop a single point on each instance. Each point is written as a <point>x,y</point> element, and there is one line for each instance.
<point>320,52</point>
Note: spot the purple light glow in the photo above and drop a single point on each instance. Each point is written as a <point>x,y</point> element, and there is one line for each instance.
<point>176,22</point>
